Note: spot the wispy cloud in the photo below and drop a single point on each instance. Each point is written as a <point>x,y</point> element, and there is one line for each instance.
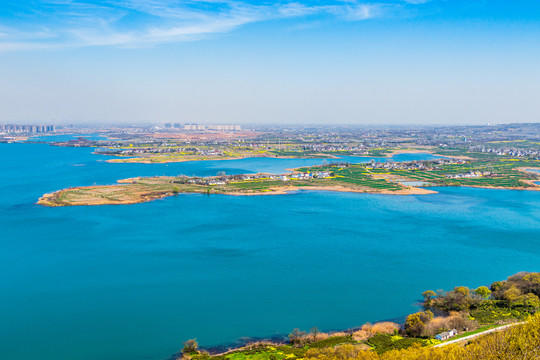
<point>140,23</point>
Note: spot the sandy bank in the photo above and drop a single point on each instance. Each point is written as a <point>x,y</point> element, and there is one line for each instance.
<point>530,170</point>
<point>101,195</point>
<point>131,193</point>
<point>144,160</point>
<point>163,160</point>
<point>364,190</point>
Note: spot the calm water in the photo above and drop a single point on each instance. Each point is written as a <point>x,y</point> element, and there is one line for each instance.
<point>134,282</point>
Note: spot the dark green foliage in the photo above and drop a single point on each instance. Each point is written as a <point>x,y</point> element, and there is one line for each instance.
<point>524,282</point>
<point>298,352</point>
<point>332,341</point>
<point>205,356</point>
<point>514,298</point>
<point>459,299</point>
<point>383,343</point>
<point>496,311</point>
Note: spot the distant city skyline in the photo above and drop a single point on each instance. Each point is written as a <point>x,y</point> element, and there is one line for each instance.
<point>395,62</point>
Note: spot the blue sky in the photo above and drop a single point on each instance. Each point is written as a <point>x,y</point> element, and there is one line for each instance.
<point>365,62</point>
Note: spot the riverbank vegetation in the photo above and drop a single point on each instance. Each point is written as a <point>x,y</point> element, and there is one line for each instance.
<point>513,299</point>
<point>469,311</point>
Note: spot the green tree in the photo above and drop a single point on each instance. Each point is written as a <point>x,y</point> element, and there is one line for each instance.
<point>496,286</point>
<point>530,300</point>
<point>483,291</point>
<point>463,290</point>
<point>428,297</point>
<point>512,295</point>
<point>415,323</point>
<point>191,346</point>
<point>532,283</point>
<point>296,337</point>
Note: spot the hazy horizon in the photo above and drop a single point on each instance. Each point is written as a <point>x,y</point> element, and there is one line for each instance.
<point>253,125</point>
<point>415,62</point>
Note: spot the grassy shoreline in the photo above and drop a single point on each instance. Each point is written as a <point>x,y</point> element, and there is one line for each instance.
<point>478,314</point>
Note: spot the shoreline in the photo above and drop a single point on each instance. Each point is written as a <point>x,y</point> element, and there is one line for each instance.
<point>50,199</point>
<point>142,160</point>
<point>530,170</point>
<point>290,189</point>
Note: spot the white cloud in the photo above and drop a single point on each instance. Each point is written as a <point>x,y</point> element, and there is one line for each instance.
<point>80,24</point>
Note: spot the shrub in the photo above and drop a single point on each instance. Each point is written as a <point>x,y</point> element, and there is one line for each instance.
<point>415,323</point>
<point>386,327</point>
<point>332,341</point>
<point>191,346</point>
<point>384,343</point>
<point>297,337</point>
<point>368,330</point>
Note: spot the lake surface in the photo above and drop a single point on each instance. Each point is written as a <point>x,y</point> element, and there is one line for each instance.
<point>134,282</point>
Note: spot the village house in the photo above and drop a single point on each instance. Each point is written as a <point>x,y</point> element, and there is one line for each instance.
<point>446,335</point>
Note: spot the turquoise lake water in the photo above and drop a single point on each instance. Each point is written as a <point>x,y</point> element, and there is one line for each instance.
<point>134,282</point>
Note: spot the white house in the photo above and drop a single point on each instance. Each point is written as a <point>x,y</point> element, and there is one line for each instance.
<point>446,335</point>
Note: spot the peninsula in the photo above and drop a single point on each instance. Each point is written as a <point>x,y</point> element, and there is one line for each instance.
<point>392,178</point>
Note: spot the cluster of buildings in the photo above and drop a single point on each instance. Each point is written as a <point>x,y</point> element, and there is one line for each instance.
<point>204,127</point>
<point>225,179</point>
<point>470,174</point>
<point>530,153</point>
<point>11,129</point>
<point>334,147</point>
<point>160,150</point>
<point>310,175</point>
<point>415,165</point>
<point>136,151</point>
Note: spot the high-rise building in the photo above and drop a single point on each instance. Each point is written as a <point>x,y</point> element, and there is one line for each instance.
<point>11,128</point>
<point>214,127</point>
